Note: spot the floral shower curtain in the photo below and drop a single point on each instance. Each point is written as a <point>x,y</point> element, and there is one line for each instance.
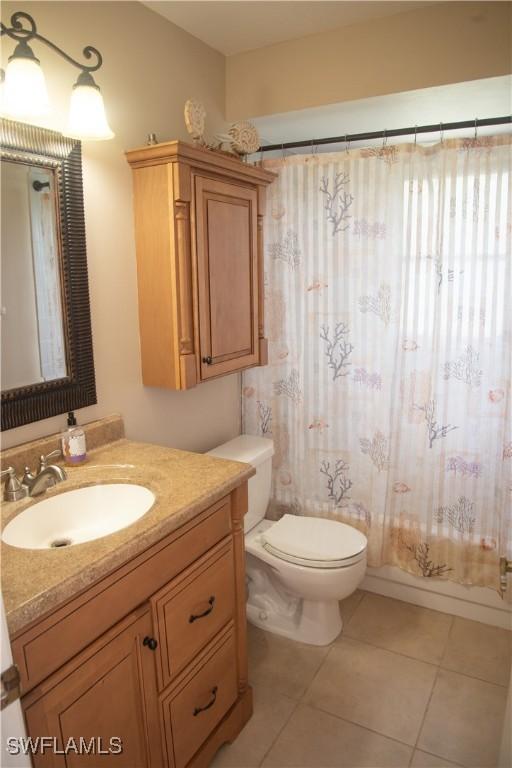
<point>388,310</point>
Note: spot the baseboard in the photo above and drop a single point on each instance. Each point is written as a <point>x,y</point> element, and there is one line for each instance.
<point>476,603</point>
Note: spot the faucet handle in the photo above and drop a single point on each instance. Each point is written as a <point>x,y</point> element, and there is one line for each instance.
<point>28,476</point>
<point>43,460</point>
<point>9,471</point>
<point>14,491</point>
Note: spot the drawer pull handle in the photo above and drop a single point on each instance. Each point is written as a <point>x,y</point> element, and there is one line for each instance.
<point>208,360</point>
<point>193,616</point>
<point>198,710</point>
<point>150,642</point>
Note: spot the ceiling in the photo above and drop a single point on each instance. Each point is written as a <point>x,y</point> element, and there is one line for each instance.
<point>242,25</point>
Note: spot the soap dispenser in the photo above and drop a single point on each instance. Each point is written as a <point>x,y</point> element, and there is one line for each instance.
<point>73,442</point>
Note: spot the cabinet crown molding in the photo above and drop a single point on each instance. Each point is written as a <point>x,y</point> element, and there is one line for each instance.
<point>181,151</point>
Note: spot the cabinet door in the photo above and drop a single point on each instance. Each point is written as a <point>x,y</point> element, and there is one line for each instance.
<point>227,260</point>
<point>109,692</point>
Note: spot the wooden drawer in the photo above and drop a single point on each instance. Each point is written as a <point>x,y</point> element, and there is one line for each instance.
<point>43,648</point>
<point>193,710</point>
<point>193,608</point>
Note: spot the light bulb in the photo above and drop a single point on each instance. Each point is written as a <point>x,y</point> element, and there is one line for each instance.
<point>25,94</point>
<point>87,118</point>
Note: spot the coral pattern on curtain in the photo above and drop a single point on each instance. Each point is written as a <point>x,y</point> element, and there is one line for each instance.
<point>388,311</point>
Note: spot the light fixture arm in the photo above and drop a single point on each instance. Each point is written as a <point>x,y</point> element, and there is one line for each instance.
<point>21,34</point>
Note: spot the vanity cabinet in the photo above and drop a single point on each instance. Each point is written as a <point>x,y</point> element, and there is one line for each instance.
<point>168,678</point>
<point>199,238</point>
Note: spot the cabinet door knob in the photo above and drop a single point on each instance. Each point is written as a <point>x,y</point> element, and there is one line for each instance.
<point>150,642</point>
<point>198,710</point>
<point>194,616</point>
<point>207,360</point>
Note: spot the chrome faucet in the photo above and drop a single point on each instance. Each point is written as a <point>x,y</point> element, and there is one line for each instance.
<point>30,484</point>
<point>44,479</point>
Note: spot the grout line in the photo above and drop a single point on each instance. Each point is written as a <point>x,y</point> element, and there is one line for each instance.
<point>388,650</point>
<point>412,747</point>
<point>425,713</point>
<point>447,640</point>
<point>472,677</point>
<point>339,641</point>
<point>458,672</point>
<point>298,702</point>
<point>281,730</point>
<point>440,757</point>
<point>361,601</point>
<point>381,733</point>
<point>302,697</point>
<point>359,725</point>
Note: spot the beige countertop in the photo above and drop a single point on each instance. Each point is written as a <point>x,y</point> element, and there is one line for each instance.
<point>35,581</point>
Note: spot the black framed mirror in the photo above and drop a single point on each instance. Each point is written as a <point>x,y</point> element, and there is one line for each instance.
<point>47,364</point>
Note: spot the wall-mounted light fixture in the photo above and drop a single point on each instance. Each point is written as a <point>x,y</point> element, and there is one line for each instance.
<point>25,96</point>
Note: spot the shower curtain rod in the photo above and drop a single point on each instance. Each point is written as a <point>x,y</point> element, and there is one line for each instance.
<point>349,138</point>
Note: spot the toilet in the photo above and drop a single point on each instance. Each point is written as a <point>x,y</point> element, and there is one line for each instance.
<point>298,568</point>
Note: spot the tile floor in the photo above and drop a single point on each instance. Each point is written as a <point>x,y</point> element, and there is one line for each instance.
<point>403,686</point>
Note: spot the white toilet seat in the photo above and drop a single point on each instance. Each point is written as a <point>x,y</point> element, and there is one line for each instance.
<point>314,542</point>
<point>308,563</point>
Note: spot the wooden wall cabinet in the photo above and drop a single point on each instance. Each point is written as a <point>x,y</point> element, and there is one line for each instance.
<point>199,238</point>
<point>169,679</point>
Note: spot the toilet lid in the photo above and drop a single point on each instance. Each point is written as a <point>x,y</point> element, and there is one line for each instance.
<point>314,541</point>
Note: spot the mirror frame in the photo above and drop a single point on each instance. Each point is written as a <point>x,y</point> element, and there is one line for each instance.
<point>23,143</point>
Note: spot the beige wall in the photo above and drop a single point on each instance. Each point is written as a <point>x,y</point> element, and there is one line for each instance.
<point>150,68</point>
<point>434,45</point>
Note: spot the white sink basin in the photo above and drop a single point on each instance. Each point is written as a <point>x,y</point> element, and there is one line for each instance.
<point>76,516</point>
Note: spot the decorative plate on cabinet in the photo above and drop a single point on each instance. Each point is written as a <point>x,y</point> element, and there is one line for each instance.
<point>195,117</point>
<point>244,138</point>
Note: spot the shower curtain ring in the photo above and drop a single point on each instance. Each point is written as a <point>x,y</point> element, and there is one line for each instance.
<point>347,144</point>
<point>384,138</point>
<point>476,128</point>
<point>415,135</point>
<point>441,132</point>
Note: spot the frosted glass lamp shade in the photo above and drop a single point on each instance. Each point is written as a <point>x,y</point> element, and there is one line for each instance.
<point>24,93</point>
<point>87,118</point>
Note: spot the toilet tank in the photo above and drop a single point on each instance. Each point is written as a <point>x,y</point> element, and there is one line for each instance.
<point>257,451</point>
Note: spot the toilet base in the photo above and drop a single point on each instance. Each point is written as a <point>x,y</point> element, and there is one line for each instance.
<point>305,621</point>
